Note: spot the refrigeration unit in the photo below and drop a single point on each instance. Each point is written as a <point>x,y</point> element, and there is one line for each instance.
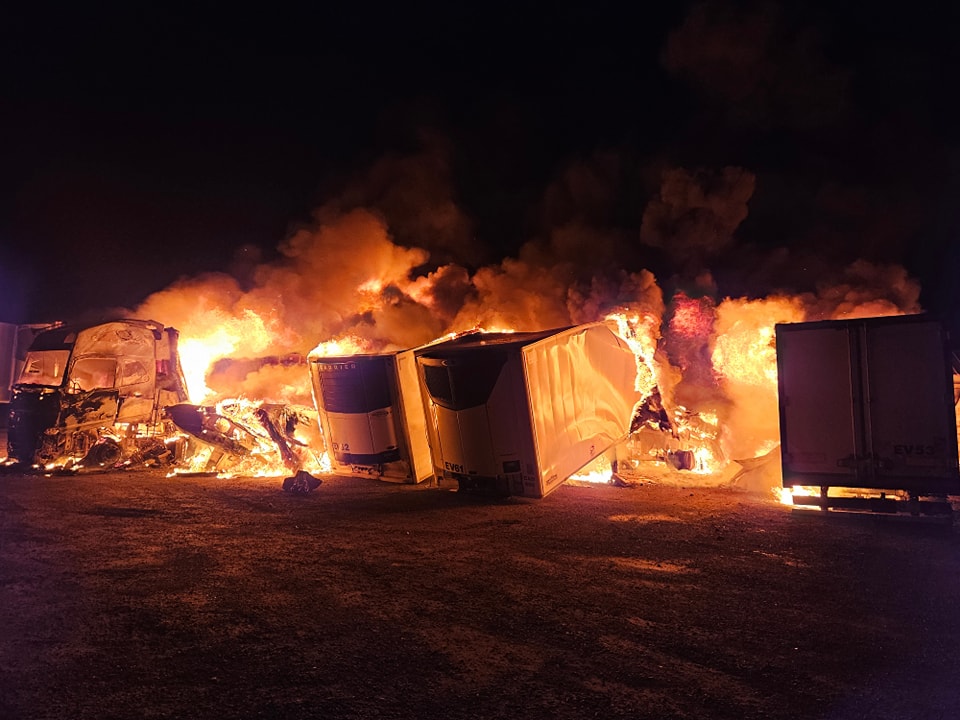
<point>868,404</point>
<point>519,413</point>
<point>371,415</point>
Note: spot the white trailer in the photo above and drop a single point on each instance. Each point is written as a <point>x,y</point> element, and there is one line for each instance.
<point>519,413</point>
<point>868,403</point>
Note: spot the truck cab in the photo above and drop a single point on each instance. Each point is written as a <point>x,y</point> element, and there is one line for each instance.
<point>94,395</point>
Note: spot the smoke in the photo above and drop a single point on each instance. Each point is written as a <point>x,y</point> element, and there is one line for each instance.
<point>695,215</point>
<point>759,64</point>
<point>414,194</point>
<point>866,289</point>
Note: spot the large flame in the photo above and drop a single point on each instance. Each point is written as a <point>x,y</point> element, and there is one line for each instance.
<point>641,332</point>
<point>706,369</point>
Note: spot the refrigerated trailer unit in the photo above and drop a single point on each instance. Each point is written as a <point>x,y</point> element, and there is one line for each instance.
<point>371,415</point>
<point>868,404</point>
<point>519,413</point>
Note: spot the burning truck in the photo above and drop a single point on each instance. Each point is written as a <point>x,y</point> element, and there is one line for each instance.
<point>113,395</point>
<point>94,395</point>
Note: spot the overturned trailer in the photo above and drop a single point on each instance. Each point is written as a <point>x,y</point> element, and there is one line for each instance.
<point>371,415</point>
<point>94,395</point>
<point>519,413</point>
<point>867,409</point>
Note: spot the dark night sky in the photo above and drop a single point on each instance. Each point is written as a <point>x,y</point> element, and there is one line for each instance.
<point>139,145</point>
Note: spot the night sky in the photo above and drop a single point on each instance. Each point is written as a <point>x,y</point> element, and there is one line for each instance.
<point>140,145</point>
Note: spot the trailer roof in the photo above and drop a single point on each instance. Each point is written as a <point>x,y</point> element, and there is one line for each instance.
<point>501,340</point>
<point>846,322</point>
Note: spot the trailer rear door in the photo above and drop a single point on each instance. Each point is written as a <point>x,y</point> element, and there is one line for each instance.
<point>818,398</point>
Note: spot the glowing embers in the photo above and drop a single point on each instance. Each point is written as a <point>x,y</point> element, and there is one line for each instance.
<point>692,318</point>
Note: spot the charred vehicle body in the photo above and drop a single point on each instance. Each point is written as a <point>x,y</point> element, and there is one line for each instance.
<point>94,395</point>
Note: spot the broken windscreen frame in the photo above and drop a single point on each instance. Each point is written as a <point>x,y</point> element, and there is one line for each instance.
<point>92,373</point>
<point>44,367</point>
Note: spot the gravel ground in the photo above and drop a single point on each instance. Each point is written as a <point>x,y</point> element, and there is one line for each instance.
<point>135,595</point>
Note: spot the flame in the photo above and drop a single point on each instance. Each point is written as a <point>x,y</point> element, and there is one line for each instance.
<point>708,375</point>
<point>347,345</point>
<point>785,495</point>
<point>641,331</point>
<point>210,335</point>
<point>197,355</point>
<point>744,350</point>
<point>598,470</point>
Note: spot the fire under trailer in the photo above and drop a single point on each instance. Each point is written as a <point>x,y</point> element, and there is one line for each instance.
<point>519,413</point>
<point>867,415</point>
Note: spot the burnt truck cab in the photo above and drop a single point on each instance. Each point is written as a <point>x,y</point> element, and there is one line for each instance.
<point>95,394</point>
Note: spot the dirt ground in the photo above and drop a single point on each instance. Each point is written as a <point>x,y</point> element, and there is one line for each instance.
<point>135,595</point>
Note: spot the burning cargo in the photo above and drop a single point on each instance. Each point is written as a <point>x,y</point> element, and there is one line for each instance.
<point>94,395</point>
<point>371,415</point>
<point>519,413</point>
<point>868,404</point>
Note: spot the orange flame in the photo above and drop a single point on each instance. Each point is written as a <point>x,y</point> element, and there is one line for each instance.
<point>641,332</point>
